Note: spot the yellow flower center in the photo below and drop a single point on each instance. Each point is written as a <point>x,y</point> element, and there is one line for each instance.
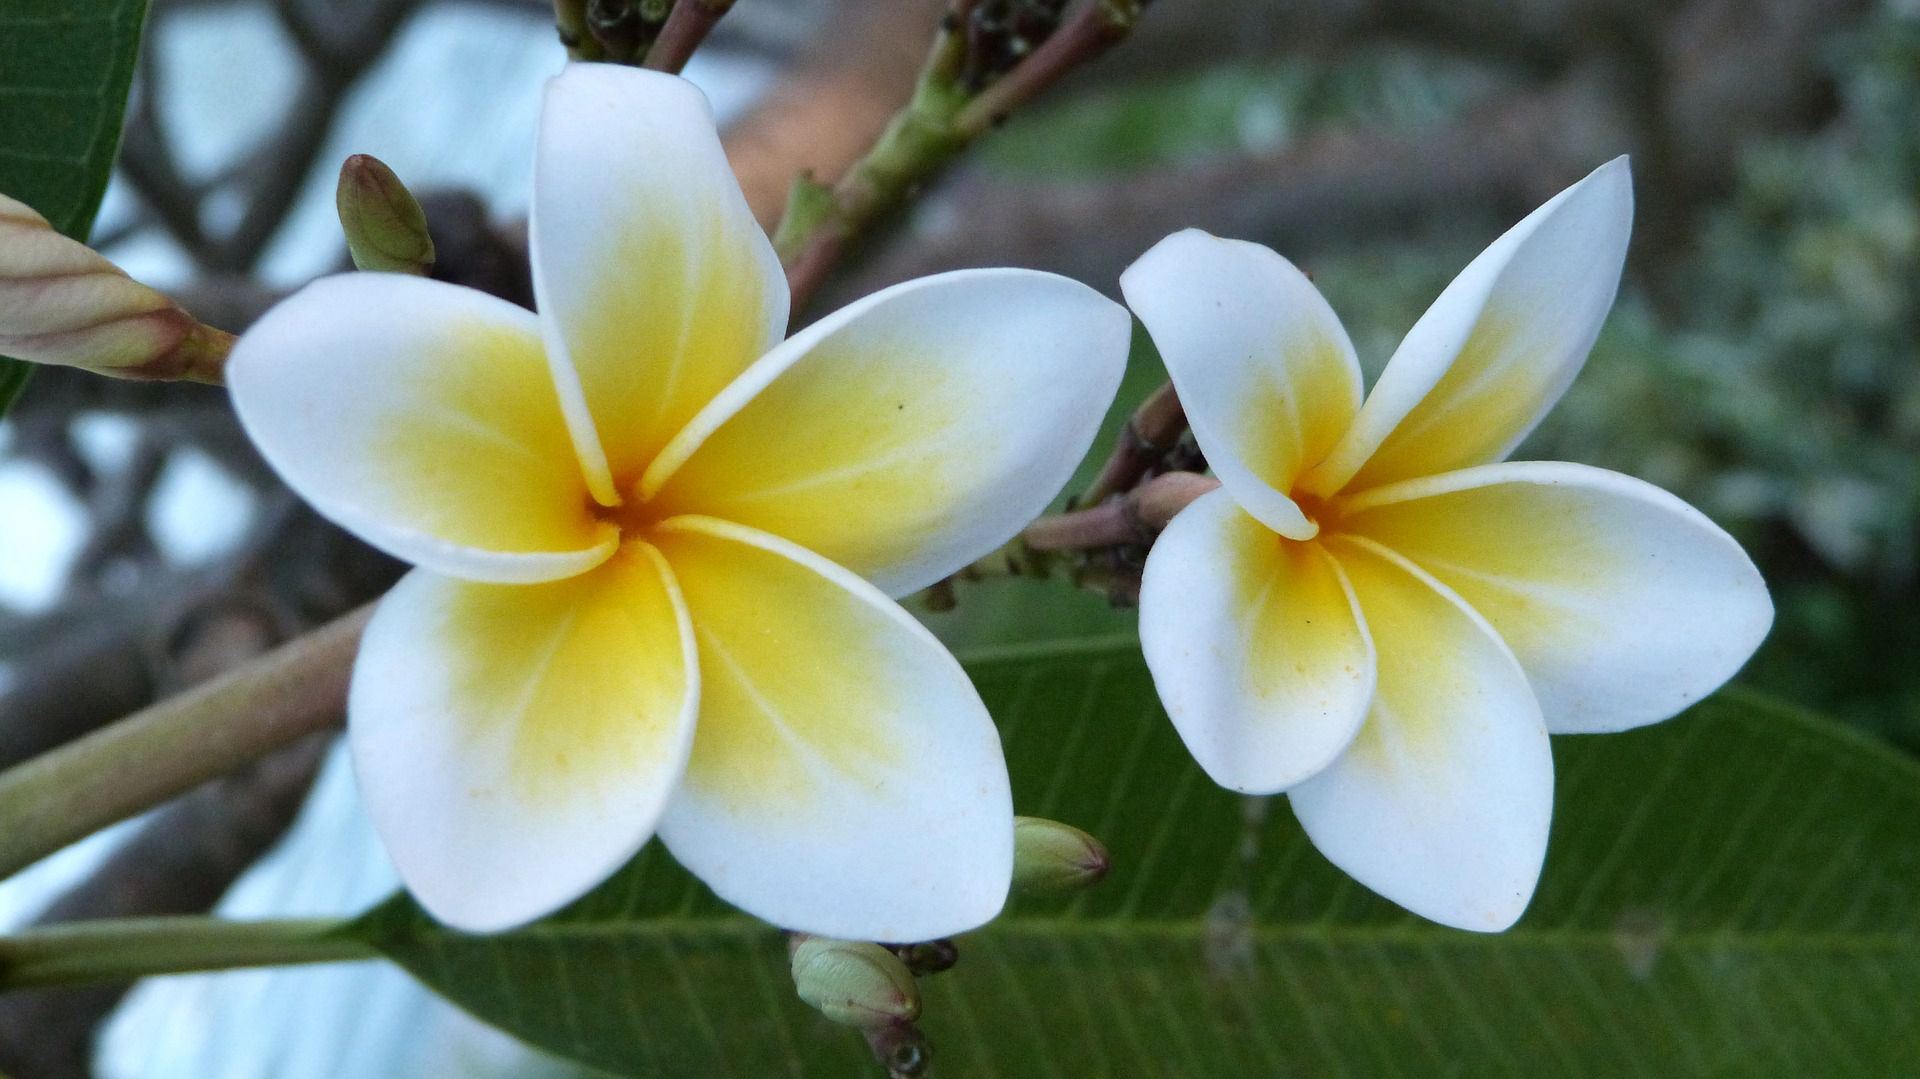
<point>1324,512</point>
<point>634,518</point>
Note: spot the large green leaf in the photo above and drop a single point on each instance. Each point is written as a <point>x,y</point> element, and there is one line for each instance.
<point>1735,892</point>
<point>64,70</point>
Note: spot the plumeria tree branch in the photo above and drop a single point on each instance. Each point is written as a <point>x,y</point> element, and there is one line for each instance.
<point>127,948</point>
<point>686,27</point>
<point>947,112</point>
<point>1152,432</point>
<point>174,746</point>
<point>1136,517</point>
<point>1098,548</point>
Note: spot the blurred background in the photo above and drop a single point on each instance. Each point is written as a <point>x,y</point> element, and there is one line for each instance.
<point>1764,360</point>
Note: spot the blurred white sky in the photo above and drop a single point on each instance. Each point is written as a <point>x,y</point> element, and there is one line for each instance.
<point>453,104</point>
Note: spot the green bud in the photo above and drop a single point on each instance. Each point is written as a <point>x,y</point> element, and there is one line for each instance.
<point>1050,858</point>
<point>855,983</point>
<point>385,227</point>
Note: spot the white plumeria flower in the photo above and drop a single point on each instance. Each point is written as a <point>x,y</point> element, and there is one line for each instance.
<point>1376,613</point>
<point>656,543</point>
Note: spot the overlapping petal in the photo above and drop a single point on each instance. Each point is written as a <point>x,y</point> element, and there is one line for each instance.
<point>1255,645</point>
<point>1497,349</point>
<point>912,432</point>
<point>1442,802</point>
<point>846,778</point>
<point>515,744</point>
<point>420,416</point>
<point>658,286</point>
<point>1264,369</point>
<point>1624,604</point>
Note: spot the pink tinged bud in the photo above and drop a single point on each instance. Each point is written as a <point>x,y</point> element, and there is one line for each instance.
<point>1050,858</point>
<point>854,983</point>
<point>62,303</point>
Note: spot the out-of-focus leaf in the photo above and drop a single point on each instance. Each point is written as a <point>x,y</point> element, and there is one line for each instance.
<point>1736,892</point>
<point>65,66</point>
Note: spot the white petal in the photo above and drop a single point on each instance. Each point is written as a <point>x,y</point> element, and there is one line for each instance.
<point>658,285</point>
<point>516,744</point>
<point>1500,345</point>
<point>1624,604</point>
<point>1443,801</point>
<point>421,417</point>
<point>1256,647</point>
<point>912,432</point>
<point>1263,367</point>
<point>846,779</point>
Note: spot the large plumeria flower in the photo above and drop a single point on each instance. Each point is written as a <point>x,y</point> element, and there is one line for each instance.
<point>1379,615</point>
<point>656,543</point>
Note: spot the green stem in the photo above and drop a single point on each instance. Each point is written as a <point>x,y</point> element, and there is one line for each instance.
<point>918,142</point>
<point>177,744</point>
<point>119,950</point>
<point>943,118</point>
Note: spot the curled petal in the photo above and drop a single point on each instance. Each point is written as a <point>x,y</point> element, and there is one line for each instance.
<point>1265,371</point>
<point>516,744</point>
<point>1256,647</point>
<point>1497,349</point>
<point>420,416</point>
<point>1442,802</point>
<point>657,284</point>
<point>912,432</point>
<point>1623,603</point>
<point>846,779</point>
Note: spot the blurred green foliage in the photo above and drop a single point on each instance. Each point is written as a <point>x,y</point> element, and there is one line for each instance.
<point>1767,370</point>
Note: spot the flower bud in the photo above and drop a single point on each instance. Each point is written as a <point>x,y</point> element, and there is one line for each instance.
<point>386,229</point>
<point>62,303</point>
<point>1050,858</point>
<point>855,983</point>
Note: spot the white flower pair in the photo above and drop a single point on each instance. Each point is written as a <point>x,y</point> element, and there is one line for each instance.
<point>656,544</point>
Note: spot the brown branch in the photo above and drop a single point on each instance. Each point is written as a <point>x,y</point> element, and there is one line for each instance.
<point>1149,435</point>
<point>1099,25</point>
<point>687,26</point>
<point>1135,517</point>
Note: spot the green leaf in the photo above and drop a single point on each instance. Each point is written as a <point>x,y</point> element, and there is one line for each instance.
<point>65,66</point>
<point>1734,892</point>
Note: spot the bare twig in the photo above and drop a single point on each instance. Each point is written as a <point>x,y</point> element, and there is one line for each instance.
<point>1150,433</point>
<point>1098,26</point>
<point>688,26</point>
<point>1135,517</point>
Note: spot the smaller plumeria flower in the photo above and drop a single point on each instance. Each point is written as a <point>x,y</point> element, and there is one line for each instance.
<point>657,544</point>
<point>1379,615</point>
